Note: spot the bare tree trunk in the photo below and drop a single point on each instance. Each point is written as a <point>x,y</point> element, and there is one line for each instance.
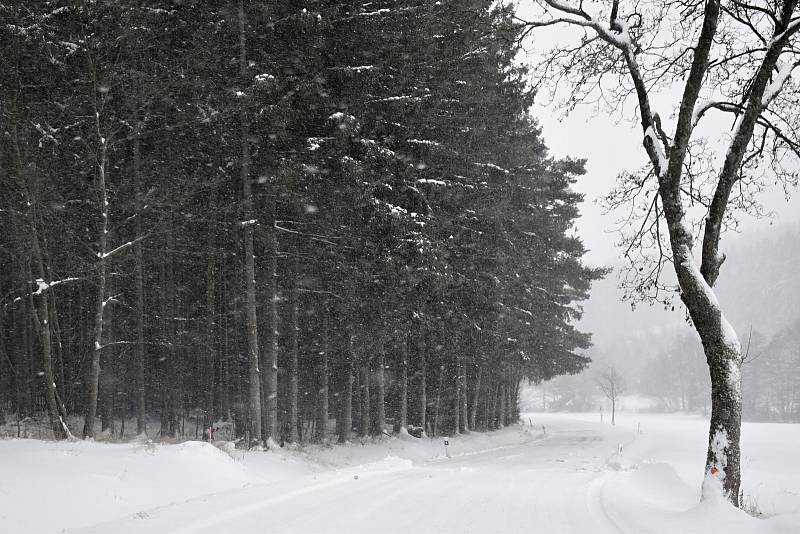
<point>93,381</point>
<point>463,419</point>
<point>473,416</point>
<point>380,386</point>
<point>423,386</point>
<point>363,429</point>
<point>294,334</point>
<point>40,315</point>
<point>457,423</point>
<point>322,419</point>
<point>171,374</point>
<point>347,399</point>
<point>254,396</point>
<point>211,328</point>
<point>141,425</point>
<point>403,418</point>
<point>270,373</point>
<point>438,401</point>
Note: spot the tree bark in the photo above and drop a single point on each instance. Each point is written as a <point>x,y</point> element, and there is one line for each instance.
<point>270,372</point>
<point>254,371</point>
<point>380,386</point>
<point>363,428</point>
<point>139,386</point>
<point>403,416</point>
<point>93,381</point>
<point>438,401</point>
<point>347,399</point>
<point>473,416</point>
<point>423,386</point>
<point>322,418</point>
<point>294,334</point>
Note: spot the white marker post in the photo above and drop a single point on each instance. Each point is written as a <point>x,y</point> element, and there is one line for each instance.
<point>447,448</point>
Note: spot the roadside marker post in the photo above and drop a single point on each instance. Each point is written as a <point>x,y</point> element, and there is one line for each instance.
<point>447,448</point>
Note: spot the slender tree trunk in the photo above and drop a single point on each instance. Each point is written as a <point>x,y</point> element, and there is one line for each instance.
<point>107,374</point>
<point>139,385</point>
<point>322,419</point>
<point>364,397</point>
<point>457,422</point>
<point>438,401</point>
<point>347,399</point>
<point>93,381</point>
<point>403,417</point>
<point>271,343</point>
<point>473,415</point>
<point>172,375</point>
<point>40,315</point>
<point>464,418</point>
<point>211,326</point>
<point>294,335</point>
<point>380,386</point>
<point>254,396</point>
<point>423,386</point>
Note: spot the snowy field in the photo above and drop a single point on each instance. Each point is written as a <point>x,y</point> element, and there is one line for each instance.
<point>567,477</point>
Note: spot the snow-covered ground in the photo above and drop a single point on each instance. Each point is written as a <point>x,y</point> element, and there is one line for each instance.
<point>563,475</point>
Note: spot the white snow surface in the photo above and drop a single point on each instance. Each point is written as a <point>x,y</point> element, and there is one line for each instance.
<point>562,475</point>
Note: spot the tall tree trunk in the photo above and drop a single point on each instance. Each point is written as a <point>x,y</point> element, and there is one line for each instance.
<point>172,374</point>
<point>347,399</point>
<point>211,326</point>
<point>55,326</point>
<point>463,419</point>
<point>438,401</point>
<point>294,342</point>
<point>270,372</point>
<point>322,415</point>
<point>139,385</point>
<point>457,423</point>
<point>363,428</point>
<point>402,422</point>
<point>254,396</point>
<point>40,313</point>
<point>423,385</point>
<point>93,381</point>
<point>380,386</point>
<point>107,374</point>
<point>473,415</point>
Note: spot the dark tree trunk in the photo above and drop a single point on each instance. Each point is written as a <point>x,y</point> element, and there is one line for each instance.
<point>294,334</point>
<point>322,418</point>
<point>402,420</point>
<point>438,403</point>
<point>473,416</point>
<point>139,383</point>
<point>347,398</point>
<point>254,369</point>
<point>100,293</point>
<point>380,386</point>
<point>423,386</point>
<point>363,428</point>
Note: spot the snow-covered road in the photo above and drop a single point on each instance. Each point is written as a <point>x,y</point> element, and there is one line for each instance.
<point>571,479</point>
<point>551,483</point>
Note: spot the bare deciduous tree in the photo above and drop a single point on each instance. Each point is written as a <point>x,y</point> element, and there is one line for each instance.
<point>612,385</point>
<point>730,57</point>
